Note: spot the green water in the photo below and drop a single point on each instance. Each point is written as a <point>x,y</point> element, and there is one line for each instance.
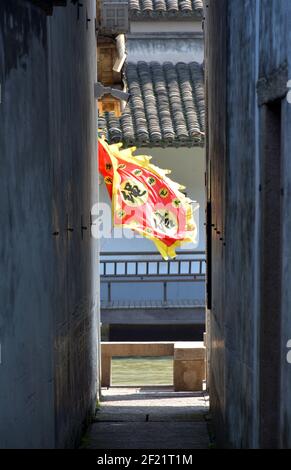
<point>142,371</point>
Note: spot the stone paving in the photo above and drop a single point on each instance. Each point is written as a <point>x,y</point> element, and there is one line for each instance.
<point>149,418</point>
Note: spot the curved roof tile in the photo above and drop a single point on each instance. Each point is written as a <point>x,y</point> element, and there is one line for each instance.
<point>166,106</point>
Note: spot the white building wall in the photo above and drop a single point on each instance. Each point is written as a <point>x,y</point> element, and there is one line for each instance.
<point>173,41</point>
<point>188,169</point>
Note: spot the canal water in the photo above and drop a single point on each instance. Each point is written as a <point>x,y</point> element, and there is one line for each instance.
<point>142,371</point>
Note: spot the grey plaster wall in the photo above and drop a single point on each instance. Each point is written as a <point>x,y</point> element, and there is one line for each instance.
<point>162,49</point>
<point>188,168</point>
<point>48,282</point>
<point>247,44</point>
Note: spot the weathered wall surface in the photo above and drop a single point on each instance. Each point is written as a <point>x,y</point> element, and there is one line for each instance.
<point>247,41</point>
<point>48,288</point>
<point>188,168</point>
<point>275,55</point>
<point>173,48</point>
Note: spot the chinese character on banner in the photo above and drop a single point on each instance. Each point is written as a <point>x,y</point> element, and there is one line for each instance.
<point>145,199</point>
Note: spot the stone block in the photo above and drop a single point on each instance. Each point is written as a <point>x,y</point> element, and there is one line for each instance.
<point>189,366</point>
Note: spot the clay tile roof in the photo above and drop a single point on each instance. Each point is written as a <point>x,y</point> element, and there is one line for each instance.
<point>155,9</point>
<point>166,106</point>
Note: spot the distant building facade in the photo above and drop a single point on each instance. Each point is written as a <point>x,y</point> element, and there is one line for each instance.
<point>164,118</point>
<point>248,68</point>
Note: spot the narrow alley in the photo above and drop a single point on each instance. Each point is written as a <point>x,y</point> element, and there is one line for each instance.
<point>150,418</point>
<point>145,206</point>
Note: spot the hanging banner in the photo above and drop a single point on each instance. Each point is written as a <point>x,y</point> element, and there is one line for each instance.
<point>145,199</point>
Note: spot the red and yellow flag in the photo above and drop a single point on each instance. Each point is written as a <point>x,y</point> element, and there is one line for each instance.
<point>145,199</point>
